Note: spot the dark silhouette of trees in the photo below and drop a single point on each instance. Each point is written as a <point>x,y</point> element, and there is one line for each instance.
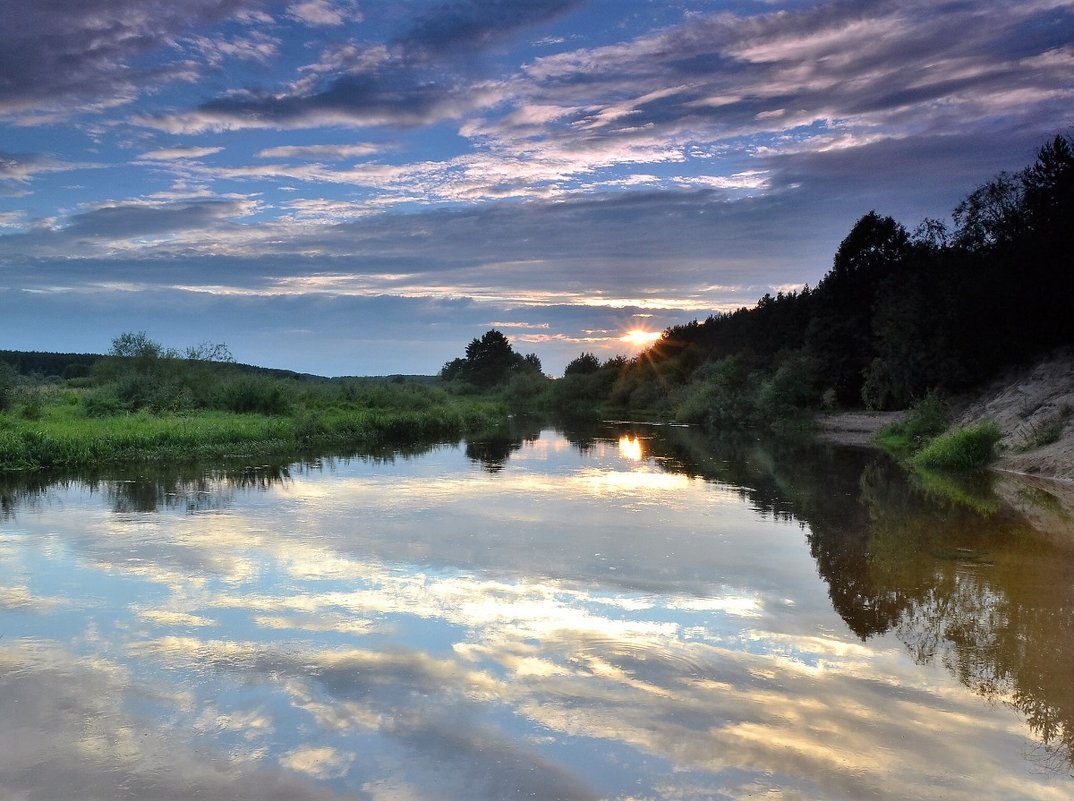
<point>840,334</point>
<point>898,314</point>
<point>585,364</point>
<point>490,361</point>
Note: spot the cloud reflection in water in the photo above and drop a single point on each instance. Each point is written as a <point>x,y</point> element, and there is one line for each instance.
<point>592,627</point>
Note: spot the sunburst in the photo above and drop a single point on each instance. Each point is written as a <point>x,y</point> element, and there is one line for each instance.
<point>640,338</point>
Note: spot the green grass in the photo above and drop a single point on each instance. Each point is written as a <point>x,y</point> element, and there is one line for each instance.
<point>63,437</point>
<point>963,449</point>
<point>926,419</point>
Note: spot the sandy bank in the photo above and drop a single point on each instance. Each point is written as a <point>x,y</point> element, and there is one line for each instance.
<point>1030,405</point>
<point>853,428</point>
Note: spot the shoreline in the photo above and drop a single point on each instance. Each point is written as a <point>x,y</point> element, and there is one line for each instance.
<point>856,429</point>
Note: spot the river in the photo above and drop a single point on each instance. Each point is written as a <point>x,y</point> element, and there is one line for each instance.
<point>623,613</point>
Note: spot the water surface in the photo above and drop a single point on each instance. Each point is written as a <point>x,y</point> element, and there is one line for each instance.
<point>628,614</point>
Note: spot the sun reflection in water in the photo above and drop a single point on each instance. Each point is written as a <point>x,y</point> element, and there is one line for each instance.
<point>630,448</point>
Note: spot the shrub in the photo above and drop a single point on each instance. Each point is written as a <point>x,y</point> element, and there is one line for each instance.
<point>792,389</point>
<point>102,404</point>
<point>33,406</point>
<point>927,418</point>
<point>963,449</point>
<point>718,396</point>
<point>249,394</point>
<point>526,389</point>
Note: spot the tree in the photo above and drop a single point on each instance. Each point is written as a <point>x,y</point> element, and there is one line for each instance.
<point>136,345</point>
<point>583,365</point>
<point>489,361</point>
<point>992,216</point>
<point>209,352</point>
<point>840,334</point>
<point>1048,188</point>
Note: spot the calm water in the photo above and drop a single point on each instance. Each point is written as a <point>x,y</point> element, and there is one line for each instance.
<point>636,614</point>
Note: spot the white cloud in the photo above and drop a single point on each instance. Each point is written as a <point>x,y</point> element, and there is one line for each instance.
<point>324,12</point>
<point>329,152</point>
<point>173,153</point>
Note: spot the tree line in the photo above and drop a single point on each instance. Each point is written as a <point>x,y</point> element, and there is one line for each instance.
<point>901,312</point>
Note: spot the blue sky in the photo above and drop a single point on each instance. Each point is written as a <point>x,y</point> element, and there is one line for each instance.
<point>359,187</point>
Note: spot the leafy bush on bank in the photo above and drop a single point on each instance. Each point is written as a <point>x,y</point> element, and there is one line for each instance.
<point>963,449</point>
<point>926,419</point>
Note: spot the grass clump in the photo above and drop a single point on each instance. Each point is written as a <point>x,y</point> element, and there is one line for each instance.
<point>926,419</point>
<point>963,449</point>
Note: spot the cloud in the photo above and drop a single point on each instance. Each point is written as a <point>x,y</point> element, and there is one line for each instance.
<point>12,219</point>
<point>254,46</point>
<point>328,152</point>
<point>173,153</point>
<point>121,222</point>
<point>46,687</point>
<point>882,68</point>
<point>478,24</point>
<point>324,12</point>
<point>400,98</point>
<point>63,57</point>
<point>420,78</point>
<point>320,762</point>
<point>17,170</point>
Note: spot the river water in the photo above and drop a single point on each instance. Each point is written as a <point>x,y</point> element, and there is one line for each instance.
<point>625,613</point>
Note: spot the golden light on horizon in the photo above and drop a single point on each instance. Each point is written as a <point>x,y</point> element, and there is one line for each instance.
<point>640,338</point>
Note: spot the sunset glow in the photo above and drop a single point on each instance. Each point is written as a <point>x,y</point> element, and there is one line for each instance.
<point>401,174</point>
<point>630,448</point>
<point>640,338</point>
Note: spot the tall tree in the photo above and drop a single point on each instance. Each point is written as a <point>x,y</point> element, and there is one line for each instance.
<point>840,335</point>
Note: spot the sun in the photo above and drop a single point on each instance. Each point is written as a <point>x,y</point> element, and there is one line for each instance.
<point>640,338</point>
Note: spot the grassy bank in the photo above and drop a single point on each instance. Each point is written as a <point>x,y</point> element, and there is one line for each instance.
<point>923,440</point>
<point>56,428</point>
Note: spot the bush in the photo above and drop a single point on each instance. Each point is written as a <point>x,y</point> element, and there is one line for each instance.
<point>526,390</point>
<point>249,394</point>
<point>719,395</point>
<point>790,391</point>
<point>927,418</point>
<point>137,391</point>
<point>102,404</point>
<point>32,406</point>
<point>964,449</point>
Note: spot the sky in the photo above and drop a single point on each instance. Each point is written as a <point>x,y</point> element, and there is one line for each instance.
<point>361,187</point>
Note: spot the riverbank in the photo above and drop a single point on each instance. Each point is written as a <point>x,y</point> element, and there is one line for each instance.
<point>1034,408</point>
<point>858,428</point>
<point>62,438</point>
<point>1032,405</point>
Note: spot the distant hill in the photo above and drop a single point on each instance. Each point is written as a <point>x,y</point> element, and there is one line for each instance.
<point>77,365</point>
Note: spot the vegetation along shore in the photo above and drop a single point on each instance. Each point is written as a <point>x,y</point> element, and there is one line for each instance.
<point>927,322</point>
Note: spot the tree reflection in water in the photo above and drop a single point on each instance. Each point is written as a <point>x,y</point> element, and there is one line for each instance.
<point>960,578</point>
<point>492,449</point>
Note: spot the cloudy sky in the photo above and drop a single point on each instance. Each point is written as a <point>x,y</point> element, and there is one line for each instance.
<point>362,186</point>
